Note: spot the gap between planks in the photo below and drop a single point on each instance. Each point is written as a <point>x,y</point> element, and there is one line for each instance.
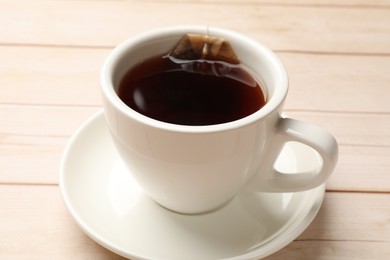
<point>42,184</point>
<point>110,47</point>
<point>286,110</point>
<point>369,4</point>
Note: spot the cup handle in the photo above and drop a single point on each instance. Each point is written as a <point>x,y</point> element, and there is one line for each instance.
<point>315,137</point>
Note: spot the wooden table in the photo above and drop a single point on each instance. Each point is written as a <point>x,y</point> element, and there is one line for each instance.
<point>338,59</point>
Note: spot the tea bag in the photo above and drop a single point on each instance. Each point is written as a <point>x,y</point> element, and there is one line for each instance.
<point>208,55</point>
<point>193,47</point>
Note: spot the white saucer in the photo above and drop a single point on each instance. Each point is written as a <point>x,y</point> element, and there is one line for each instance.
<point>110,208</point>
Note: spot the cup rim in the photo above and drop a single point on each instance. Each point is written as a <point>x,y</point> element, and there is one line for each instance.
<point>109,92</point>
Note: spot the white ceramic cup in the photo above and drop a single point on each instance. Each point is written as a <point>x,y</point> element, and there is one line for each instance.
<point>195,169</point>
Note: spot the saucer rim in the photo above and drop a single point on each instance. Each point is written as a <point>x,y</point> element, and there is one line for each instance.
<point>287,234</point>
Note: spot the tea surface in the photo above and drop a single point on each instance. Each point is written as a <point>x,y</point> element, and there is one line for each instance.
<point>193,93</point>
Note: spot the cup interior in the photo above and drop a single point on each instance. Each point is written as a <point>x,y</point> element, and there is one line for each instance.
<point>260,61</point>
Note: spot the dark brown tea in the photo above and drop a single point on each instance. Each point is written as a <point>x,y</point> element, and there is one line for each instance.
<point>191,93</point>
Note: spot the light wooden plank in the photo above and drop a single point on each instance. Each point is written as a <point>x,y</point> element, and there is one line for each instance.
<point>39,75</point>
<point>32,139</point>
<point>337,83</point>
<point>54,121</point>
<point>359,168</point>
<point>30,159</point>
<point>102,23</point>
<point>34,224</point>
<point>37,160</point>
<point>362,168</point>
<point>348,226</point>
<point>70,76</point>
<point>358,217</point>
<point>30,228</point>
<point>351,129</point>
